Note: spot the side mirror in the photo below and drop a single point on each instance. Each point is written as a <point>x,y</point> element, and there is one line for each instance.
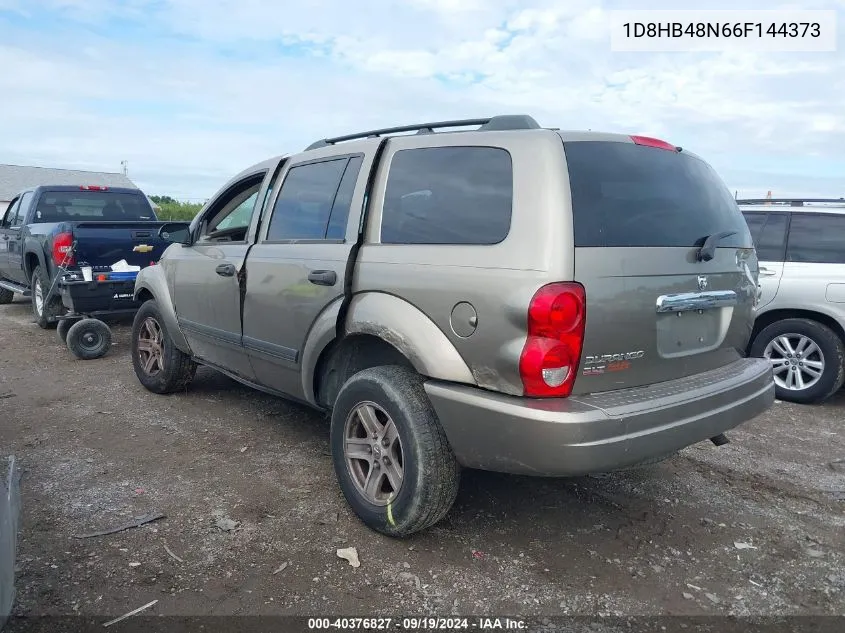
<point>176,232</point>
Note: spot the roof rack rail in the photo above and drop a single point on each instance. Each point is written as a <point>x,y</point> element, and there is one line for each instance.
<point>490,124</point>
<point>794,202</point>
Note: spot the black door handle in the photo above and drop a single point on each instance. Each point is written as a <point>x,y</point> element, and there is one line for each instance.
<point>225,270</point>
<point>323,277</point>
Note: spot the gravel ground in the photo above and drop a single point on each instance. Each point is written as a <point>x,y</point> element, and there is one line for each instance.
<point>751,528</point>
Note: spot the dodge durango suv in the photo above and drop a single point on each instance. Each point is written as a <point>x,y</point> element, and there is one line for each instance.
<point>483,294</point>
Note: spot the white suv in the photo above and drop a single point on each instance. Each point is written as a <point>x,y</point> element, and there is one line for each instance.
<point>800,322</point>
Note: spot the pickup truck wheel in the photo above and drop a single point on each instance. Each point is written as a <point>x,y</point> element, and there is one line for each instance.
<point>390,453</point>
<point>808,359</point>
<point>160,366</point>
<point>6,296</point>
<point>88,339</point>
<point>45,312</point>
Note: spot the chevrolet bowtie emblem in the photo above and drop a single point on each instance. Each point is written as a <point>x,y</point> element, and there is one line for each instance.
<point>143,248</point>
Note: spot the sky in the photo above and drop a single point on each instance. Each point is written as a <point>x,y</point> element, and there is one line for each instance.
<point>190,92</point>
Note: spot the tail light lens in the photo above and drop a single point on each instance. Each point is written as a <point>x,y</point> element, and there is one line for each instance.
<point>552,351</point>
<point>62,250</point>
<point>653,142</point>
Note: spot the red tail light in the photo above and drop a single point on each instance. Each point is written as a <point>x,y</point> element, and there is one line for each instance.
<point>62,250</point>
<point>93,188</point>
<point>653,142</point>
<point>556,318</point>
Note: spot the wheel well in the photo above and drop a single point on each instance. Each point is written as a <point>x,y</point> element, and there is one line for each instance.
<point>145,295</point>
<point>346,357</point>
<point>30,263</point>
<point>767,318</point>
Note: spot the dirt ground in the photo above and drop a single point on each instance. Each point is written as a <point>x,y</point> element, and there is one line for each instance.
<point>751,528</point>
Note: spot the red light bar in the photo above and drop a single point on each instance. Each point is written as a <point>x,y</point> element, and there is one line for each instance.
<point>93,188</point>
<point>653,142</point>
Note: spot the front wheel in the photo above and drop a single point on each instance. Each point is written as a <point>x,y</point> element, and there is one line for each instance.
<point>390,453</point>
<point>159,365</point>
<point>807,359</point>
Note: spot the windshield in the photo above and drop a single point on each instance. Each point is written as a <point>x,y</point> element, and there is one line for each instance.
<point>631,195</point>
<point>92,206</point>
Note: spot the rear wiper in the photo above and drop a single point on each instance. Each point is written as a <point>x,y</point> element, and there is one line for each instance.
<point>708,249</point>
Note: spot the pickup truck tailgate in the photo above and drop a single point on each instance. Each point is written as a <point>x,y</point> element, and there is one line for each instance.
<point>105,243</point>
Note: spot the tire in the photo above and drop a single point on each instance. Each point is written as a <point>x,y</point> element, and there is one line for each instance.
<point>88,339</point>
<point>46,316</point>
<point>431,474</point>
<point>62,328</point>
<point>828,355</point>
<point>173,370</point>
<point>6,296</point>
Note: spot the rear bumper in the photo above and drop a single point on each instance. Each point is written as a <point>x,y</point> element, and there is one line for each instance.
<point>598,432</point>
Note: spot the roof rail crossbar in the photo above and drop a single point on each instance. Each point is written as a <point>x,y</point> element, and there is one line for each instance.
<point>795,202</point>
<point>496,123</point>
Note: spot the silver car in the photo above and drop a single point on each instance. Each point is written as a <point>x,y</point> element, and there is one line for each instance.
<point>800,325</point>
<point>504,297</point>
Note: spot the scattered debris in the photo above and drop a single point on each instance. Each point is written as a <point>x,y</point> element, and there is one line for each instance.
<point>226,524</point>
<point>741,545</point>
<point>406,565</point>
<point>477,555</point>
<point>139,491</point>
<point>350,554</point>
<point>138,522</point>
<point>243,449</point>
<point>409,577</point>
<point>172,555</point>
<point>713,598</point>
<point>130,614</point>
<point>7,395</point>
<point>280,569</point>
<point>687,596</point>
<point>693,587</point>
<point>134,564</point>
<point>815,553</point>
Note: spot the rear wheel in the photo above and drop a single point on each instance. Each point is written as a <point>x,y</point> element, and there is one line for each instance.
<point>391,455</point>
<point>45,312</point>
<point>88,339</point>
<point>807,359</point>
<point>160,366</point>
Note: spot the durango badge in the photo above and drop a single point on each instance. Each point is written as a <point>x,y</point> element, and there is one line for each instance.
<point>142,248</point>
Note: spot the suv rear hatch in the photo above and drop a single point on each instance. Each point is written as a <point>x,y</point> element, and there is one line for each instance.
<point>656,309</point>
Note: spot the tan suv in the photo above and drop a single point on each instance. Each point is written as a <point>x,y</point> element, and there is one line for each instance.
<point>507,297</point>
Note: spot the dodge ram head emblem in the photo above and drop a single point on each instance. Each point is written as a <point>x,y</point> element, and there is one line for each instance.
<point>702,282</point>
<point>146,248</point>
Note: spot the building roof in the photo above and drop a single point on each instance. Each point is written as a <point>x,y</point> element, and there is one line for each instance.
<point>15,178</point>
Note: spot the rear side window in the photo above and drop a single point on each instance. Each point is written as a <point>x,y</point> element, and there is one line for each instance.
<point>755,222</point>
<point>91,206</point>
<point>816,238</point>
<point>314,201</point>
<point>448,195</point>
<point>630,195</point>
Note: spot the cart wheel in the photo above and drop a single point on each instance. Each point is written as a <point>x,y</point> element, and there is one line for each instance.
<point>89,339</point>
<point>63,327</point>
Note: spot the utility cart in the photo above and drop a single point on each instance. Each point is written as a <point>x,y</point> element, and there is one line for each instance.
<point>107,295</point>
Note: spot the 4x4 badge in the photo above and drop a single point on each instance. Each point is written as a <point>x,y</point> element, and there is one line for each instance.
<point>702,282</point>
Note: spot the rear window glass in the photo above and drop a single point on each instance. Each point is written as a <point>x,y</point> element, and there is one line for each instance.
<point>91,206</point>
<point>629,195</point>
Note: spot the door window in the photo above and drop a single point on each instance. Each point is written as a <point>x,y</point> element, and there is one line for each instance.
<point>23,207</point>
<point>816,238</point>
<point>772,239</point>
<point>11,213</point>
<point>228,218</point>
<point>314,201</point>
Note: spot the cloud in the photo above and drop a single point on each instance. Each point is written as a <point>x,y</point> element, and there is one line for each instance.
<point>192,91</point>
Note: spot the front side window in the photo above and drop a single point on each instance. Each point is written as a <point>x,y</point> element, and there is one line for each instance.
<point>448,195</point>
<point>11,213</point>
